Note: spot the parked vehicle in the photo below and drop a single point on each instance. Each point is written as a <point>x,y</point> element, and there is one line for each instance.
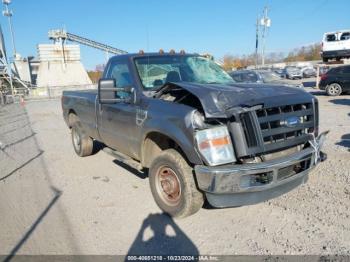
<point>336,45</point>
<point>260,76</point>
<point>279,72</point>
<point>292,72</point>
<point>246,76</point>
<point>199,134</point>
<point>336,81</point>
<point>323,70</point>
<point>308,72</point>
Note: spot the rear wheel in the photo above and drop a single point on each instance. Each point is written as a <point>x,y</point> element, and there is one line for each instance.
<point>325,60</point>
<point>82,143</point>
<point>173,186</point>
<point>334,89</point>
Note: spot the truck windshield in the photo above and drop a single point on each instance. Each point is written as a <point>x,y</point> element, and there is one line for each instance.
<point>155,71</point>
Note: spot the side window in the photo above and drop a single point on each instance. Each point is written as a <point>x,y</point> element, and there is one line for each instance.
<point>336,70</point>
<point>237,77</point>
<point>120,72</point>
<point>250,77</point>
<point>331,38</point>
<point>345,36</point>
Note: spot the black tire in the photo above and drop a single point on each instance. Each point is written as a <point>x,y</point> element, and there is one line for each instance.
<point>173,185</point>
<point>334,89</point>
<point>325,60</point>
<point>83,144</point>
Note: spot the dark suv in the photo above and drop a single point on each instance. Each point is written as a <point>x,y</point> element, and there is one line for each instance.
<point>336,81</point>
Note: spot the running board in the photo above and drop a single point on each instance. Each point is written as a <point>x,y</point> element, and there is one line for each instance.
<point>123,158</point>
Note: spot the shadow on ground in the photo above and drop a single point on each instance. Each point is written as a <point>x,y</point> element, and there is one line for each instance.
<point>160,235</point>
<point>318,93</point>
<point>26,236</point>
<point>17,133</point>
<point>142,174</point>
<point>345,141</point>
<point>341,101</point>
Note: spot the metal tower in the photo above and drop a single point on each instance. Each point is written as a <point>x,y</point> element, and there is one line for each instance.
<point>61,35</point>
<point>9,80</point>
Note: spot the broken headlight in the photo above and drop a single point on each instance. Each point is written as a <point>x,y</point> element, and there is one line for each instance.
<point>215,146</point>
<point>198,120</point>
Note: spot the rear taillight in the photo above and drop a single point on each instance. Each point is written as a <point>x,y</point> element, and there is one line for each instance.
<point>324,77</point>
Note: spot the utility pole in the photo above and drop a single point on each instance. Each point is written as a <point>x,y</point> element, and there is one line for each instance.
<point>256,43</point>
<point>107,57</point>
<point>265,22</point>
<point>7,12</point>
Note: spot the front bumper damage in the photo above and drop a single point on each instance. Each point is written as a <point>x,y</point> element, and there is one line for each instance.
<point>247,184</point>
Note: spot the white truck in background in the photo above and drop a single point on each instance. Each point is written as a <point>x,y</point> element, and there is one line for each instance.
<point>336,45</point>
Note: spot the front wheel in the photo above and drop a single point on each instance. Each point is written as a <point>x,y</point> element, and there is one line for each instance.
<point>173,186</point>
<point>334,89</point>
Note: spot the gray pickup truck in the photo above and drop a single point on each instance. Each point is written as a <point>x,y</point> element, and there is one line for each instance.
<point>197,133</point>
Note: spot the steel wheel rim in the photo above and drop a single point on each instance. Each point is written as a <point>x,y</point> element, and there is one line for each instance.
<point>76,140</point>
<point>334,89</point>
<point>168,186</point>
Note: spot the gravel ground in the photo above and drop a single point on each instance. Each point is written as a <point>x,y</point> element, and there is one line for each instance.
<point>53,202</point>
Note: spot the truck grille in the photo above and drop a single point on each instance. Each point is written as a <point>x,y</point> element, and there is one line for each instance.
<point>276,128</point>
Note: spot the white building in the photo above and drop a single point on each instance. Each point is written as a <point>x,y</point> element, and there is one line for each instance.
<point>60,65</point>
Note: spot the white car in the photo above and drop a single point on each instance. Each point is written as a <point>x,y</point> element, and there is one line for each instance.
<point>336,45</point>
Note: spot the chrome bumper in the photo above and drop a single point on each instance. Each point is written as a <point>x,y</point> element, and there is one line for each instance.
<point>245,184</point>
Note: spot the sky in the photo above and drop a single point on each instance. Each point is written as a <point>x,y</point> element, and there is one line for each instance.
<point>217,27</point>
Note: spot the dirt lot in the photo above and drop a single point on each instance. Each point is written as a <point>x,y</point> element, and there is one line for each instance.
<point>53,202</point>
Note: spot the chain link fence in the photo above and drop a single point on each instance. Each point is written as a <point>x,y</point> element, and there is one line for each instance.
<point>36,93</point>
<point>54,91</point>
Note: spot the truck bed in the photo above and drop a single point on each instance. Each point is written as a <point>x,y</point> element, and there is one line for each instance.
<point>81,103</point>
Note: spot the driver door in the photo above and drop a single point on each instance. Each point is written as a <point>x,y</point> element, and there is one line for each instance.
<point>116,121</point>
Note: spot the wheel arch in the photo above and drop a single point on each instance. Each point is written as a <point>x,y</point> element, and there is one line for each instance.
<point>335,82</point>
<point>72,117</point>
<point>155,142</point>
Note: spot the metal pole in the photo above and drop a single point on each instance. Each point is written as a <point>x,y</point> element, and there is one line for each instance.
<point>12,36</point>
<point>256,43</point>
<point>317,76</point>
<point>14,54</point>
<point>8,13</point>
<point>264,37</point>
<point>11,84</point>
<point>107,56</point>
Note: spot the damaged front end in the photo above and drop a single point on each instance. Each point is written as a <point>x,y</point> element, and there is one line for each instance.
<point>254,146</point>
<point>246,184</point>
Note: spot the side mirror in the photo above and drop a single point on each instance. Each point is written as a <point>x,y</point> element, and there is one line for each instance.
<point>108,92</point>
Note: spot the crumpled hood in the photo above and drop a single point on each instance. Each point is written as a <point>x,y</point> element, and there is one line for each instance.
<point>219,100</point>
